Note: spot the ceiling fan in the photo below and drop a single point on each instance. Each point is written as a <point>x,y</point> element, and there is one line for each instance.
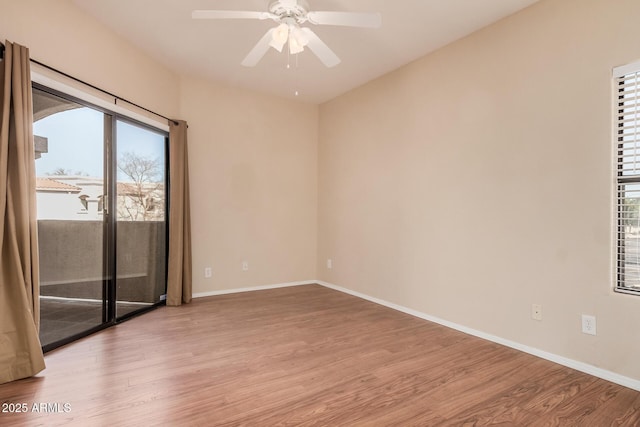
<point>290,14</point>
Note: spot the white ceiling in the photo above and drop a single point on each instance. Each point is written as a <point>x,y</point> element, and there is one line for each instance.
<point>215,48</point>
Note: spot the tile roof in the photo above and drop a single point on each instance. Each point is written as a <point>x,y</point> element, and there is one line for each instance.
<point>48,184</point>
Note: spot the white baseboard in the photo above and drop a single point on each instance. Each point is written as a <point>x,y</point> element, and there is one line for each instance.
<point>570,363</point>
<point>253,288</point>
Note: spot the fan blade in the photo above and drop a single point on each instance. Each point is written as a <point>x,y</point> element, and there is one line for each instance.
<point>347,19</point>
<point>230,14</point>
<point>259,50</point>
<point>321,50</point>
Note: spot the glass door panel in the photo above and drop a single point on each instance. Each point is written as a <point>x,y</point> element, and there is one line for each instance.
<point>70,186</point>
<point>141,227</point>
<point>101,202</point>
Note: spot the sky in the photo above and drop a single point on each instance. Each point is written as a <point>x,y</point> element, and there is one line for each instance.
<point>75,142</point>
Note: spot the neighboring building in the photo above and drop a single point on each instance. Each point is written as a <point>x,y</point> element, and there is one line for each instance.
<point>68,198</point>
<point>140,201</point>
<point>80,198</point>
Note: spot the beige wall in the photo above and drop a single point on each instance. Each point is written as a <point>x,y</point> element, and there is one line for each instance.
<point>60,35</point>
<point>253,168</point>
<point>477,181</point>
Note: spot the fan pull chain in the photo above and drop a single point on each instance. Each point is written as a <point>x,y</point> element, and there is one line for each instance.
<point>288,59</point>
<point>296,78</point>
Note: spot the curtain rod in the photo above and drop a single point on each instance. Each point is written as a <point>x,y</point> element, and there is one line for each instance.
<point>116,97</point>
<point>48,67</point>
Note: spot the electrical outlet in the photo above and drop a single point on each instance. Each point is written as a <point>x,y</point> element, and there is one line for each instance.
<point>207,273</point>
<point>536,311</point>
<point>588,324</point>
<point>245,265</point>
<point>329,264</point>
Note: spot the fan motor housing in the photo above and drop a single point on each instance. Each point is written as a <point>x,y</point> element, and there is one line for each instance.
<point>296,9</point>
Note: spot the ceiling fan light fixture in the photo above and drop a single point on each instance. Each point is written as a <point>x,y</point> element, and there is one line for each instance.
<point>299,36</point>
<point>294,46</point>
<point>277,46</point>
<point>297,40</point>
<point>279,37</point>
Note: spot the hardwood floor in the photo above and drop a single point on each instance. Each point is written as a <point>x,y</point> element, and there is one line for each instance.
<point>306,356</point>
<point>62,318</point>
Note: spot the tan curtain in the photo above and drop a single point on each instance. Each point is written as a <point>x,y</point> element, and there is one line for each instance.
<point>20,350</point>
<point>179,274</point>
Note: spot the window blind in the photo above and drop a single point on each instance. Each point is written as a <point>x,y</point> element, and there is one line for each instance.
<point>627,113</point>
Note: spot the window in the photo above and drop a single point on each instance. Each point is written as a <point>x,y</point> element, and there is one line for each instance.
<point>97,268</point>
<point>627,116</point>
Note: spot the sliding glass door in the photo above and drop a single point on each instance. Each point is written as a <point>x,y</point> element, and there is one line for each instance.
<point>70,184</point>
<point>101,206</point>
<point>141,227</point>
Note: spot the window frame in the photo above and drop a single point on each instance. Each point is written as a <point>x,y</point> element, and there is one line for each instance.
<point>117,114</point>
<point>620,179</point>
<point>94,98</point>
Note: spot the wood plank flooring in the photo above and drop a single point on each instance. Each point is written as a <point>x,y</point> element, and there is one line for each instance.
<point>306,356</point>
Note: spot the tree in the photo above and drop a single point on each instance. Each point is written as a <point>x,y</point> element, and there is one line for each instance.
<point>631,213</point>
<point>66,172</point>
<point>142,197</point>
